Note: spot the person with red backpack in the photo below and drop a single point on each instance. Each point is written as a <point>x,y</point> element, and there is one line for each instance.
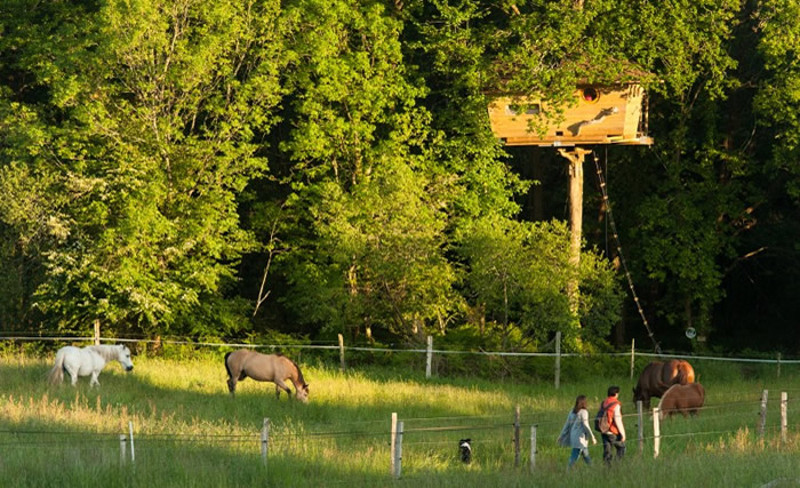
<point>614,434</point>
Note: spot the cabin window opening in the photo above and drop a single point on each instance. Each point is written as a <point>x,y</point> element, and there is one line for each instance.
<point>590,95</point>
<point>532,109</point>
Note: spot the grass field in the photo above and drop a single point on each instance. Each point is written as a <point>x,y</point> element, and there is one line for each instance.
<point>188,431</point>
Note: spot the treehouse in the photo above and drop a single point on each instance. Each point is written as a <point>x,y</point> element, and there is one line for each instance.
<point>598,115</point>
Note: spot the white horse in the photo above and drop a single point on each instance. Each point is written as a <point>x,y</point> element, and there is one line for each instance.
<point>86,361</point>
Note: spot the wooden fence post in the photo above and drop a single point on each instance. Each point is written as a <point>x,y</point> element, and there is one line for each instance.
<point>516,437</point>
<point>640,417</point>
<point>130,430</point>
<point>393,443</point>
<point>656,433</point>
<point>265,441</point>
<point>96,332</point>
<point>784,416</point>
<point>122,449</point>
<point>341,353</point>
<point>533,447</point>
<point>398,457</point>
<point>558,359</point>
<point>763,423</point>
<point>429,359</point>
<point>633,354</point>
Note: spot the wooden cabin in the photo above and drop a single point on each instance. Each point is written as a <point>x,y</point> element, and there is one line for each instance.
<point>599,115</point>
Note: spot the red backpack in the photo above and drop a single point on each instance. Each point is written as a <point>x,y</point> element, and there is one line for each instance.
<point>602,421</point>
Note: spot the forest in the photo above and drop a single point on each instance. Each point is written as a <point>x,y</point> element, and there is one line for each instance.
<point>300,169</point>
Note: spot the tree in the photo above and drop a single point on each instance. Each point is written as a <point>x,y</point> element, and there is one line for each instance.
<point>140,120</point>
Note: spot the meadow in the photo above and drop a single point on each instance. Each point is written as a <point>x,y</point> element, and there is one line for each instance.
<point>189,431</point>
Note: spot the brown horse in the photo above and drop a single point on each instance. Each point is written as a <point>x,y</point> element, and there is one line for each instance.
<point>685,399</point>
<point>658,376</point>
<point>276,368</point>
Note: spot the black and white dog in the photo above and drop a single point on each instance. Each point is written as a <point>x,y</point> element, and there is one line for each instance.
<point>465,449</point>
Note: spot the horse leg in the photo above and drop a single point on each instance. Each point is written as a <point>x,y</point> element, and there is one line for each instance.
<point>232,384</point>
<point>280,385</point>
<point>94,381</point>
<point>73,374</point>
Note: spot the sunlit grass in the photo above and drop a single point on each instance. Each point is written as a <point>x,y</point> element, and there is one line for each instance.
<point>189,431</point>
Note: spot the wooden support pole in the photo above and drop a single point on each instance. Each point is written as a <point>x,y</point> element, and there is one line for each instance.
<point>341,353</point>
<point>429,359</point>
<point>533,447</point>
<point>575,157</point>
<point>96,332</point>
<point>762,426</point>
<point>516,437</point>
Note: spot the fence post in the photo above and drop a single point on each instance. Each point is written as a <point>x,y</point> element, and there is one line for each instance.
<point>398,462</point>
<point>393,443</point>
<point>640,417</point>
<point>656,433</point>
<point>430,358</point>
<point>96,332</point>
<point>558,359</point>
<point>533,446</point>
<point>516,437</point>
<point>341,353</point>
<point>130,430</point>
<point>265,441</point>
<point>122,449</point>
<point>763,424</point>
<point>784,416</point>
<point>633,352</point>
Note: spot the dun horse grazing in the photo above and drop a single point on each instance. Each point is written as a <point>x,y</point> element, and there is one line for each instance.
<point>276,368</point>
<point>658,376</point>
<point>686,399</point>
<point>89,360</point>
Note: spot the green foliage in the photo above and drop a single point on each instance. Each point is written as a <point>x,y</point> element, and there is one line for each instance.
<point>134,138</point>
<point>517,274</point>
<point>144,138</point>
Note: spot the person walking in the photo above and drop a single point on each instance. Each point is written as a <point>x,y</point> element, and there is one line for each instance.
<point>576,432</point>
<point>615,437</point>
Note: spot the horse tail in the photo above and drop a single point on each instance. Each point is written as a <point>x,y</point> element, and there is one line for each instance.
<point>228,368</point>
<point>56,374</point>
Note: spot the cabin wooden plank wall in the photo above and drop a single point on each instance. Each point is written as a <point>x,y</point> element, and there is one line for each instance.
<point>599,115</point>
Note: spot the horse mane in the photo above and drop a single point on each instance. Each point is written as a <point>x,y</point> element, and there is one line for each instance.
<point>109,353</point>
<point>299,373</point>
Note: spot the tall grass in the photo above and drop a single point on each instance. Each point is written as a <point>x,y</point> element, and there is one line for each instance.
<point>188,431</point>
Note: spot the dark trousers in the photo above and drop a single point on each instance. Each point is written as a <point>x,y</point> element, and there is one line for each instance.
<point>611,442</point>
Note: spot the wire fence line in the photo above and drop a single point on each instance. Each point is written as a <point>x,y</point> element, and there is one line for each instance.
<point>778,360</point>
<point>420,441</point>
<point>416,435</point>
